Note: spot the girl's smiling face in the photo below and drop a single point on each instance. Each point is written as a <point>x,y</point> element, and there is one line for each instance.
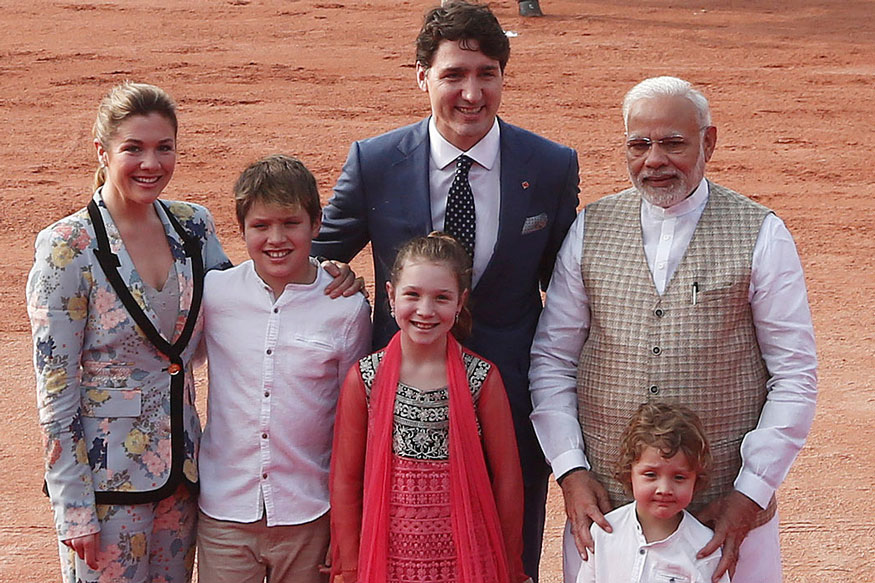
<point>426,300</point>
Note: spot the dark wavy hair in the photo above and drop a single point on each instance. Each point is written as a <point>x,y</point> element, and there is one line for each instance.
<point>438,247</point>
<point>465,22</point>
<point>669,428</point>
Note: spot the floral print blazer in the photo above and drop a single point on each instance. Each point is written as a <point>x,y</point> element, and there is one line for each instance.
<point>103,390</point>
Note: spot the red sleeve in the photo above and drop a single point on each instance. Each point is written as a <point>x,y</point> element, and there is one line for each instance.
<point>502,459</point>
<point>347,475</point>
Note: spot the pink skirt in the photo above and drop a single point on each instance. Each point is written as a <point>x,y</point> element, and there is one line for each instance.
<point>421,547</point>
<point>420,530</point>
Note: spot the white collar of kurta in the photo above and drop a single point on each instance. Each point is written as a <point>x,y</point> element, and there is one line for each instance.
<point>688,205</point>
<point>640,531</point>
<point>484,152</point>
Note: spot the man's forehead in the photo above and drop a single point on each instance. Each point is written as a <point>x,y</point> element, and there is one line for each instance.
<point>668,113</point>
<point>462,54</point>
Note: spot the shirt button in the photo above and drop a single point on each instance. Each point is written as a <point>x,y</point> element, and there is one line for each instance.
<point>276,310</point>
<point>657,350</point>
<point>661,266</point>
<point>264,436</point>
<point>269,351</point>
<point>264,477</point>
<point>659,312</point>
<point>267,393</point>
<point>654,390</point>
<point>641,551</point>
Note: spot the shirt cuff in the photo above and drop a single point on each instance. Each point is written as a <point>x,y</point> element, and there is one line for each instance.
<point>754,488</point>
<point>569,460</point>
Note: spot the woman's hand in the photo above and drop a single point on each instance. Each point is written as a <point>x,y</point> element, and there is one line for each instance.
<point>86,547</point>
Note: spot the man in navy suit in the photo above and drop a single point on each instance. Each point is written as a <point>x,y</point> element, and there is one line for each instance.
<point>395,186</point>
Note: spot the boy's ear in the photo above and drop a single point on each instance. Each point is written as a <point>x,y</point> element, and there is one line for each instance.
<point>317,225</point>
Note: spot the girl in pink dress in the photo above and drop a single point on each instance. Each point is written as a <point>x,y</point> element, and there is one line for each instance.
<point>425,477</point>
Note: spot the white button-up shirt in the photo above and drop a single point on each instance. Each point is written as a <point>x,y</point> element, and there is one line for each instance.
<point>485,180</point>
<point>275,370</point>
<point>781,315</point>
<point>625,556</point>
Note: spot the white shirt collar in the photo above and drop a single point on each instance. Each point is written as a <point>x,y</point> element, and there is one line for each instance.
<point>639,531</point>
<point>484,152</point>
<point>688,205</point>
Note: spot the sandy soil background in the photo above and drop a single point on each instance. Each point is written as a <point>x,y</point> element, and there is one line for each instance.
<point>791,88</point>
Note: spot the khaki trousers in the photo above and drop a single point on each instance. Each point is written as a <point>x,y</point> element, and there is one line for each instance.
<point>235,552</point>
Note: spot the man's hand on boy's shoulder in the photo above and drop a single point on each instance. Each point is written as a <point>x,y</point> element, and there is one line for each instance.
<point>731,517</point>
<point>586,502</point>
<point>345,281</point>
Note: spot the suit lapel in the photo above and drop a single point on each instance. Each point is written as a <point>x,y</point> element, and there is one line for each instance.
<point>408,176</point>
<point>131,277</point>
<point>518,181</point>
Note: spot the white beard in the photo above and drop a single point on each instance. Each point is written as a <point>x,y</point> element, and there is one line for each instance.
<point>663,197</point>
<point>668,197</point>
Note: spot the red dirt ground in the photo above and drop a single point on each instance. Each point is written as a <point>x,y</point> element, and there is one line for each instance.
<point>791,87</point>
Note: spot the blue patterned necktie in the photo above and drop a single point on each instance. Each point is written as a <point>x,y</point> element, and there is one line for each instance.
<point>460,220</point>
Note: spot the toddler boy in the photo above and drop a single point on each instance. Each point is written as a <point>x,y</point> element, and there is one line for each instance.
<point>664,461</point>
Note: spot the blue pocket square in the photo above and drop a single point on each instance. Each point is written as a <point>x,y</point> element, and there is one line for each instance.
<point>535,223</point>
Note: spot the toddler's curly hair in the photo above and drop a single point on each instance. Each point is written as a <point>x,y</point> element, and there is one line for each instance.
<point>669,428</point>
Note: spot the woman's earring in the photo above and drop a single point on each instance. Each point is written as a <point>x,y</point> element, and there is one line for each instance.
<point>392,312</point>
<point>457,317</point>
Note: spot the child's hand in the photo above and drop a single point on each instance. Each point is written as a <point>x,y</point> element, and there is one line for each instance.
<point>325,567</point>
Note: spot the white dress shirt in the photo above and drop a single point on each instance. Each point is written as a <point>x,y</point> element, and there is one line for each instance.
<point>485,180</point>
<point>625,556</point>
<point>781,314</point>
<point>275,370</point>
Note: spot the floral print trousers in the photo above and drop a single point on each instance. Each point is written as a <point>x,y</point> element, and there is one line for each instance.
<point>140,543</point>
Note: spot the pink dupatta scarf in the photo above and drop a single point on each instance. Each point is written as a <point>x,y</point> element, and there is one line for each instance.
<point>479,559</point>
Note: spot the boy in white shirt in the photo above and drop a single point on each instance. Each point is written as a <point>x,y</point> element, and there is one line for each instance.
<point>664,461</point>
<point>278,349</point>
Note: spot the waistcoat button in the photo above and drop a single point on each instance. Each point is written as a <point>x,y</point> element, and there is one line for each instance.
<point>654,390</point>
<point>657,350</point>
<point>659,312</point>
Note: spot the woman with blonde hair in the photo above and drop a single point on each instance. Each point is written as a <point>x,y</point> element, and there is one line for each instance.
<point>114,299</point>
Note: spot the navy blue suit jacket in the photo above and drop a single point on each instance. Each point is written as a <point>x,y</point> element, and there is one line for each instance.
<point>382,197</point>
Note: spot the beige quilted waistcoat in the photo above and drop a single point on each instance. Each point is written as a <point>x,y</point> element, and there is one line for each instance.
<point>643,346</point>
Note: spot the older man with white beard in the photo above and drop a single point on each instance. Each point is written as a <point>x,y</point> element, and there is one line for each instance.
<point>677,290</point>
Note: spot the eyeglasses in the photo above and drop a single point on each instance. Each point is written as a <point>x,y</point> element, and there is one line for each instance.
<point>673,145</point>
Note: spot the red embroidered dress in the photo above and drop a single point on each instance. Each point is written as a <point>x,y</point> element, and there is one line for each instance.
<point>421,545</point>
